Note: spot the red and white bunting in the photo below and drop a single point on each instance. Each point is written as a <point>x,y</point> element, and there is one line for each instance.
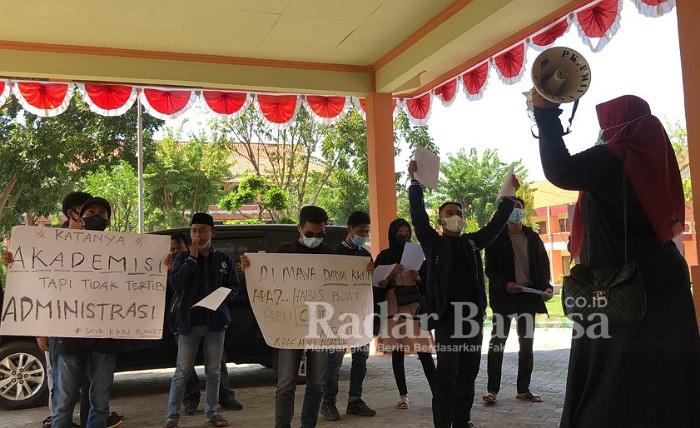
<point>167,104</point>
<point>5,88</point>
<point>475,81</point>
<point>510,64</point>
<point>447,92</point>
<point>44,99</point>
<point>654,8</point>
<point>418,109</point>
<point>599,21</point>
<point>227,105</point>
<point>279,111</point>
<point>108,100</point>
<point>545,38</point>
<point>327,110</point>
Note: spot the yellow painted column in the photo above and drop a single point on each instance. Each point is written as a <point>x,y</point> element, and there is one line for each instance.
<point>689,37</point>
<point>380,158</point>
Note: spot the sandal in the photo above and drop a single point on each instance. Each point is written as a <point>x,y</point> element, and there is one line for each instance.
<point>216,421</point>
<point>403,403</point>
<point>529,396</point>
<point>489,398</point>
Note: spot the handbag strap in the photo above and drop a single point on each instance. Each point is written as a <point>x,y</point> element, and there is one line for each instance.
<point>624,218</point>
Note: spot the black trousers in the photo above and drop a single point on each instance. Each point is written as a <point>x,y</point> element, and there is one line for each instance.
<point>499,335</point>
<point>397,365</point>
<point>458,360</point>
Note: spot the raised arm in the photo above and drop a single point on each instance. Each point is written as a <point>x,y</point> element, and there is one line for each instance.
<point>589,170</point>
<point>487,234</point>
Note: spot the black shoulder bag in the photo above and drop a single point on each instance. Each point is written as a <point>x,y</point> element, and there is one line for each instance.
<point>613,293</point>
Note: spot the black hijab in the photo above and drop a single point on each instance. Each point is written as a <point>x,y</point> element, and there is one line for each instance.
<point>393,254</point>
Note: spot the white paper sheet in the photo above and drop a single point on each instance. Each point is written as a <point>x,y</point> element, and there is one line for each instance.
<point>381,272</point>
<point>412,257</point>
<point>428,167</point>
<point>507,188</point>
<point>214,299</point>
<point>532,290</point>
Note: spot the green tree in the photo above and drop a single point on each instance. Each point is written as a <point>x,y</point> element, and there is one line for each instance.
<point>679,141</point>
<point>119,185</point>
<point>342,187</point>
<point>255,190</point>
<point>474,182</point>
<point>42,159</point>
<point>285,158</point>
<point>184,177</point>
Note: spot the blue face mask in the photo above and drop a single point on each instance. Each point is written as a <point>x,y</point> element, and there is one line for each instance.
<point>312,242</point>
<point>517,215</point>
<point>359,241</point>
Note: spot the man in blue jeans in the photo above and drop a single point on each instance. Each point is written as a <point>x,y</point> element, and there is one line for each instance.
<point>353,245</point>
<point>312,230</point>
<point>76,356</point>
<point>196,274</point>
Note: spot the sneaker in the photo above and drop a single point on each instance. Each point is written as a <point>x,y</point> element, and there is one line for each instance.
<point>359,408</point>
<point>46,423</point>
<point>329,411</point>
<point>115,420</point>
<point>232,405</point>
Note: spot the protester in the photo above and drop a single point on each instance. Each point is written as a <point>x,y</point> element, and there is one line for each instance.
<point>70,206</point>
<point>516,259</point>
<point>227,396</point>
<point>312,231</point>
<point>196,274</point>
<point>353,245</point>
<point>455,283</point>
<point>403,335</point>
<point>77,356</point>
<point>644,373</point>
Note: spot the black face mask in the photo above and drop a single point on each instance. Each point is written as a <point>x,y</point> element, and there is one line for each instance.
<point>402,239</point>
<point>95,223</point>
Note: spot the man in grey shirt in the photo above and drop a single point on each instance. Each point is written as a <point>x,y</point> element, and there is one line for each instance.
<point>515,260</point>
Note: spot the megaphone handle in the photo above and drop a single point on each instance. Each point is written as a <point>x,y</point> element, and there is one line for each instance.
<point>571,119</point>
<point>568,128</point>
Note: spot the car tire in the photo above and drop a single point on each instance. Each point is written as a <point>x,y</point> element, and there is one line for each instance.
<point>33,393</point>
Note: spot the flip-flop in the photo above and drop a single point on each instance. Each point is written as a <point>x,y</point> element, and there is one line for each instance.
<point>529,396</point>
<point>217,421</point>
<point>489,398</point>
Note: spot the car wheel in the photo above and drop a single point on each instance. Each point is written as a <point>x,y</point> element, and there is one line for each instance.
<point>23,379</point>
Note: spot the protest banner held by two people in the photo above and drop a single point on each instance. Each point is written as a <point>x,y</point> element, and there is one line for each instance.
<point>321,302</point>
<point>87,284</point>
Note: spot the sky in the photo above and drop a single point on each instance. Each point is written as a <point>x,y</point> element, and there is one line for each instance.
<point>642,59</point>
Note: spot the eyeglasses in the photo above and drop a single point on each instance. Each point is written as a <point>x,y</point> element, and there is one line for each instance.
<point>315,235</point>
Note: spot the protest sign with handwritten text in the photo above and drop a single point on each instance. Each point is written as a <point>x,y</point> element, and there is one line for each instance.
<point>304,301</point>
<point>79,283</point>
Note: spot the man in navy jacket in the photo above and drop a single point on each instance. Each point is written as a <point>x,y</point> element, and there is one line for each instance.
<point>456,295</point>
<point>196,274</point>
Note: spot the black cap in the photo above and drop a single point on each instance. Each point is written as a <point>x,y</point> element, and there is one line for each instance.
<point>202,218</point>
<point>96,200</point>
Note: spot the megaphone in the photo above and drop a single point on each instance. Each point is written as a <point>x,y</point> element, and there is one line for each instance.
<point>561,75</point>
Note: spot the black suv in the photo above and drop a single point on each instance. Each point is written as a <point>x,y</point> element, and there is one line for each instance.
<point>244,341</point>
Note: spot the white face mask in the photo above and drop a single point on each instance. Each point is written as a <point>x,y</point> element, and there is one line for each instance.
<point>454,223</point>
<point>600,141</point>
